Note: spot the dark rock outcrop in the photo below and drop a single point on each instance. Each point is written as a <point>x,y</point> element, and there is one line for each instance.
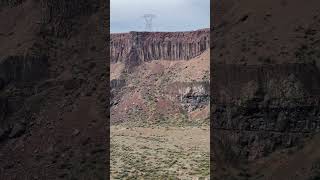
<point>260,109</point>
<point>265,91</point>
<point>10,3</point>
<point>18,75</point>
<point>115,86</point>
<point>190,95</point>
<point>23,69</point>
<point>53,94</point>
<point>59,17</point>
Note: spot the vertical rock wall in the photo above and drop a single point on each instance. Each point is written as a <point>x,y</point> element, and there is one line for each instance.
<point>135,47</point>
<point>59,16</point>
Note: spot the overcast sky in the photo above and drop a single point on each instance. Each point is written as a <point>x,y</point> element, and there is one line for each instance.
<point>172,15</point>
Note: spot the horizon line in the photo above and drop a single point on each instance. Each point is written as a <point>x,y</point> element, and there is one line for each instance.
<point>125,32</point>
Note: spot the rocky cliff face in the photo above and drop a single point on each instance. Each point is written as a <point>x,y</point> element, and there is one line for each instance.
<point>53,89</point>
<point>136,47</point>
<point>167,81</point>
<point>60,17</point>
<point>260,109</point>
<point>265,87</point>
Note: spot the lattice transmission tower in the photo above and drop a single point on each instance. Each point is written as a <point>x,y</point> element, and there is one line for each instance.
<point>148,20</point>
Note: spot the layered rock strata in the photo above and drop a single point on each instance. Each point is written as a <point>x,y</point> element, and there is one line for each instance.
<point>259,109</point>
<point>136,47</point>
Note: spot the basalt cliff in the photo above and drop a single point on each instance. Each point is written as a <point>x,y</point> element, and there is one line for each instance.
<point>265,90</point>
<point>53,100</point>
<point>136,47</point>
<point>160,77</point>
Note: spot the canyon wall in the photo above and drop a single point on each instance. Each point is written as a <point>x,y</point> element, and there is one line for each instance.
<point>265,89</point>
<point>135,47</point>
<point>260,109</point>
<point>53,89</point>
<point>160,91</point>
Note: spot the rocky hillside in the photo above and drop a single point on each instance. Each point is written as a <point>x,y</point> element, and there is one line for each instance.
<point>168,78</point>
<point>53,89</point>
<point>265,90</point>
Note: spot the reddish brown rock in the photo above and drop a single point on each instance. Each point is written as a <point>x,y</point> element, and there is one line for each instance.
<point>135,47</point>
